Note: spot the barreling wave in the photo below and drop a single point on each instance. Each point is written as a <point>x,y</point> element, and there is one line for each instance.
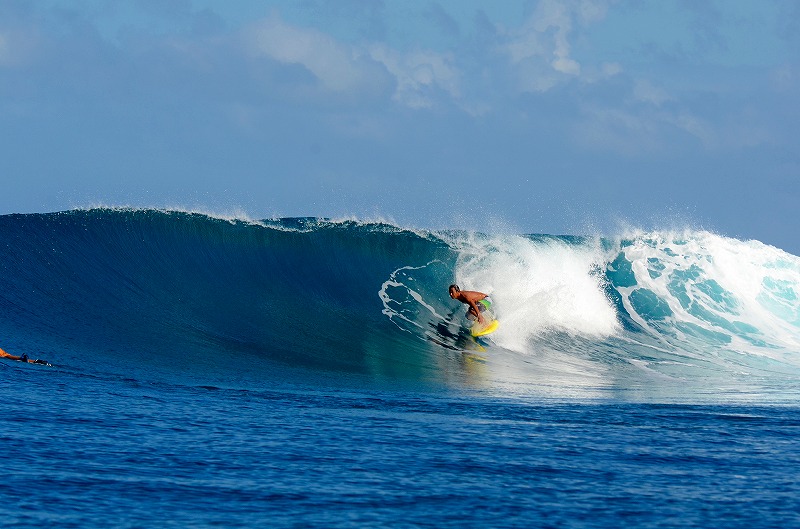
<point>149,286</point>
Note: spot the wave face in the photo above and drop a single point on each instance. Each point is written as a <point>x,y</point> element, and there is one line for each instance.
<point>159,288</point>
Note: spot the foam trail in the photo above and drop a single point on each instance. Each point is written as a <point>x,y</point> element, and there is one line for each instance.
<point>394,308</point>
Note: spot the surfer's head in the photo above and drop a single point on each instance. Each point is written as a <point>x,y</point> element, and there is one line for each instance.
<point>454,290</point>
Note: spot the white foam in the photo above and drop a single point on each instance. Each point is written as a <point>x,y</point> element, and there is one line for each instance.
<point>761,282</point>
<point>537,287</point>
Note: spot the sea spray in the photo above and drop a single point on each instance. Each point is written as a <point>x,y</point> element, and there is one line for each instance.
<point>540,286</point>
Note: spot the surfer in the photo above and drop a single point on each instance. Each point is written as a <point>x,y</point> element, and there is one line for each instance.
<point>477,301</point>
<point>23,358</point>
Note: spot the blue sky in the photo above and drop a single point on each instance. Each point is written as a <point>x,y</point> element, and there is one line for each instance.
<point>537,116</point>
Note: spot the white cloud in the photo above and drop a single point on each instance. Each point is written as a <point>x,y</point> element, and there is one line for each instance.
<point>334,64</point>
<point>610,69</point>
<point>590,11</point>
<point>17,46</point>
<point>417,73</point>
<point>554,15</point>
<point>645,91</point>
<point>615,130</point>
<point>647,130</point>
<point>543,42</point>
<point>695,126</point>
<point>567,66</point>
<point>539,54</point>
<point>347,68</point>
<point>739,131</point>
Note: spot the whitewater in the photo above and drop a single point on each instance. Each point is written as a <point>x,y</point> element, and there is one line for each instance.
<point>314,371</point>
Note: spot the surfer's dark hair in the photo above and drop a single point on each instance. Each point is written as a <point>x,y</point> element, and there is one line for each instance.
<point>454,287</point>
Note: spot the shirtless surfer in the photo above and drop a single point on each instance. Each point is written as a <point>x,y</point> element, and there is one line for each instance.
<point>23,358</point>
<point>473,299</point>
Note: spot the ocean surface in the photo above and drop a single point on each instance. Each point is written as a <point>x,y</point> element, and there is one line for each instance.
<point>305,372</point>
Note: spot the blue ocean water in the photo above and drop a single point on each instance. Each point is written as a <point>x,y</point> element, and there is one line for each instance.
<point>305,372</point>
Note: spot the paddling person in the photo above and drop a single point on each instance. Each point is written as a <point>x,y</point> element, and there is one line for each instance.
<point>477,301</point>
<point>23,358</point>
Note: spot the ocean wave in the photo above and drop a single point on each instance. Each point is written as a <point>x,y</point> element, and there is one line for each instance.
<point>371,297</point>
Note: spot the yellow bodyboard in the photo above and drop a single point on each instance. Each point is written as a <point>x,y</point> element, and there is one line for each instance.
<point>482,330</point>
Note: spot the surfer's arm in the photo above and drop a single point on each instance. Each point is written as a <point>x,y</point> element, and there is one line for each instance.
<point>4,354</point>
<point>476,310</point>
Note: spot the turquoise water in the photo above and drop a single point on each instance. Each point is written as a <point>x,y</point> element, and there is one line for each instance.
<point>295,372</point>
